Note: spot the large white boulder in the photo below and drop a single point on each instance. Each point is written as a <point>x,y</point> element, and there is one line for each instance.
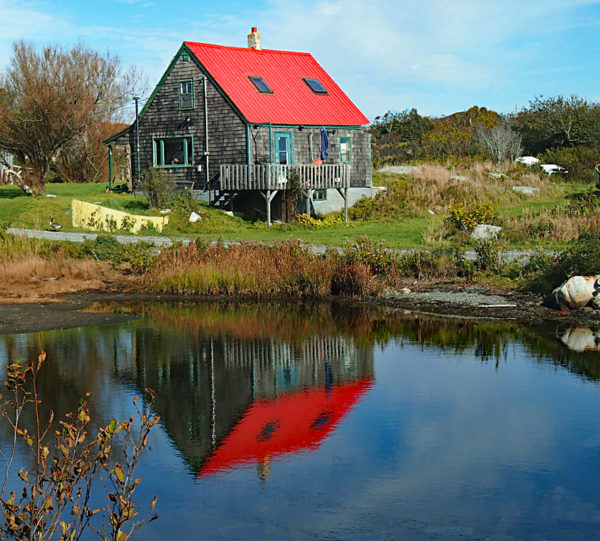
<point>485,232</point>
<point>527,160</point>
<point>552,168</point>
<point>575,293</point>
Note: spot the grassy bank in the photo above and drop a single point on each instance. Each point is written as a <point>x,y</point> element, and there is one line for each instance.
<point>432,211</point>
<point>411,213</point>
<point>363,269</point>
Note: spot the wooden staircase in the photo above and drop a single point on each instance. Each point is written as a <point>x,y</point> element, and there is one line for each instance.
<point>222,199</point>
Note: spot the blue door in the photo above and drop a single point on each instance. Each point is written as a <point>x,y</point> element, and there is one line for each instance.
<point>283,148</point>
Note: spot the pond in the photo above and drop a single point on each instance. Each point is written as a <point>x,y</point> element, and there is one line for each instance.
<point>331,423</point>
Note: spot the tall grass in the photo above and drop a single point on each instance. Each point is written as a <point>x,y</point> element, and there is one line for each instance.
<point>33,268</point>
<point>435,188</point>
<point>285,269</point>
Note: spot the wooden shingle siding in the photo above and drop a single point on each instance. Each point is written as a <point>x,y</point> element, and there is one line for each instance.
<point>361,175</point>
<point>163,118</point>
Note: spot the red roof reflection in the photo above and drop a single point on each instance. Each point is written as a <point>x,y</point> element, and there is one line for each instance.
<point>291,423</point>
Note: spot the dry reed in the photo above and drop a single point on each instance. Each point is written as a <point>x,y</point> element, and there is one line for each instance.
<point>285,269</point>
<point>31,269</point>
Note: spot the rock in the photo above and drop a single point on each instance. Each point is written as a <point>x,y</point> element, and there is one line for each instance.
<point>194,217</point>
<point>497,176</point>
<point>527,160</point>
<point>459,177</point>
<point>405,291</point>
<point>552,168</point>
<point>398,169</point>
<point>484,232</point>
<point>230,213</point>
<point>525,190</point>
<point>575,293</point>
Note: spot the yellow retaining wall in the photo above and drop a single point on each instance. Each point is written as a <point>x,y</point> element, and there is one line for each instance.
<point>97,218</point>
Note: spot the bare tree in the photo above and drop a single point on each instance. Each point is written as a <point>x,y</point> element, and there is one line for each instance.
<point>501,142</point>
<point>50,98</point>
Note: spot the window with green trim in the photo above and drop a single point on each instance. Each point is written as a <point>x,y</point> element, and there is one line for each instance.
<point>186,94</point>
<point>185,57</point>
<point>172,152</point>
<point>346,149</point>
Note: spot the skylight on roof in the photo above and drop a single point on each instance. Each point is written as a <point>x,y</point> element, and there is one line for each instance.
<point>315,85</point>
<point>260,84</point>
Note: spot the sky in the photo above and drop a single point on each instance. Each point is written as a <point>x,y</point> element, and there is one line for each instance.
<point>438,56</point>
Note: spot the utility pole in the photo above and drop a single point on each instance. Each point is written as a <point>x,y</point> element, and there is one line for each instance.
<point>137,140</point>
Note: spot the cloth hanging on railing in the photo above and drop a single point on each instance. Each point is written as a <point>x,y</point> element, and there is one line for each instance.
<point>324,142</point>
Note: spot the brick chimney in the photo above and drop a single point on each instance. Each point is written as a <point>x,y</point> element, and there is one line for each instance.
<point>254,39</point>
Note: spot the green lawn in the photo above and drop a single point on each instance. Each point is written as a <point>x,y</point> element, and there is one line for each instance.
<point>20,210</point>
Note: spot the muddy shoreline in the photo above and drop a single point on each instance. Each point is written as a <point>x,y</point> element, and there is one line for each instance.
<point>472,302</point>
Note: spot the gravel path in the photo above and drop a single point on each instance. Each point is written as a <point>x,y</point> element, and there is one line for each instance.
<point>80,237</point>
<point>159,241</point>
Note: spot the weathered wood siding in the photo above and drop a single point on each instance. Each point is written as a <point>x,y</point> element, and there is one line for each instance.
<point>305,151</point>
<point>163,118</point>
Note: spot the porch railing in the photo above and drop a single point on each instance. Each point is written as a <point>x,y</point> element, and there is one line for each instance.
<point>276,177</point>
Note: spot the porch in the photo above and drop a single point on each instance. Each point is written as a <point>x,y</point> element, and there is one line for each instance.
<point>269,179</point>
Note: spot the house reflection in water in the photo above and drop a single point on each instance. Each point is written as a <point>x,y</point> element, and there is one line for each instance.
<point>229,401</point>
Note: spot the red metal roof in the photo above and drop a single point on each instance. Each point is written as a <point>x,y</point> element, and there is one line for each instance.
<point>292,101</point>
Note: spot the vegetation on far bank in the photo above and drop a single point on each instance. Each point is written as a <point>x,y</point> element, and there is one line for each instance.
<point>361,269</point>
<point>558,130</point>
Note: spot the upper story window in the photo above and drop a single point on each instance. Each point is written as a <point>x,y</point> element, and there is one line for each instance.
<point>186,94</point>
<point>260,84</point>
<point>315,85</point>
<point>185,56</point>
<point>346,149</point>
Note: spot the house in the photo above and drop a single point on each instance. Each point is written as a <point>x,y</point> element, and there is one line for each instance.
<point>232,122</point>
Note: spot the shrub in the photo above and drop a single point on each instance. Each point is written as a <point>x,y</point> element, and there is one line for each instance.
<point>308,222</point>
<point>439,263</point>
<point>487,255</point>
<point>547,271</point>
<point>582,204</point>
<point>140,255</point>
<point>579,161</point>
<point>466,218</point>
<point>582,257</point>
<point>58,490</point>
<point>158,188</point>
<point>371,253</point>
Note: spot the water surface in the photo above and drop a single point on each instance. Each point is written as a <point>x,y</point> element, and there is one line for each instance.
<point>330,423</point>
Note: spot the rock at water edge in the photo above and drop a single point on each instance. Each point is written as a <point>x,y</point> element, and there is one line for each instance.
<point>575,293</point>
